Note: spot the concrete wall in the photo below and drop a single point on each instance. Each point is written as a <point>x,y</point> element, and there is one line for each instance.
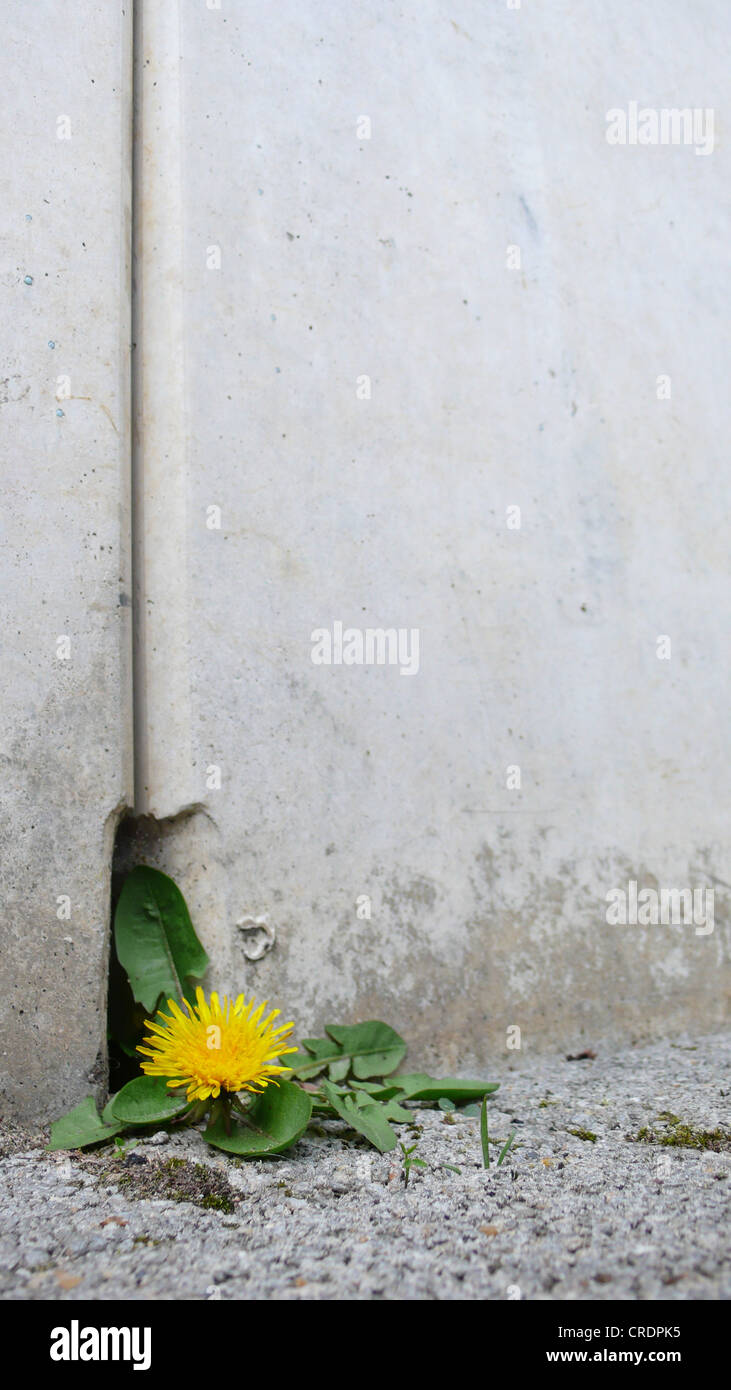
<point>343,257</point>
<point>64,549</point>
<point>368,382</point>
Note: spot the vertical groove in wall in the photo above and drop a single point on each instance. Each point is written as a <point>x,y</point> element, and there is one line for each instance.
<point>163,768</point>
<point>126,337</point>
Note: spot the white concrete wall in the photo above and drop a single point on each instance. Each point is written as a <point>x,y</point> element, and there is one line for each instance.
<point>64,535</point>
<point>285,252</point>
<point>343,256</point>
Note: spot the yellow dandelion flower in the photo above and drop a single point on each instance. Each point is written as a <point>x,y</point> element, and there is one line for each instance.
<point>226,1045</point>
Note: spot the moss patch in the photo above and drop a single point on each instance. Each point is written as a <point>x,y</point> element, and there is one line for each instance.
<point>586,1134</point>
<point>178,1180</point>
<point>676,1134</point>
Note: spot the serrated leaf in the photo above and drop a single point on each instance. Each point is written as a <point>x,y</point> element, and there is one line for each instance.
<point>375,1048</point>
<point>368,1049</point>
<point>377,1090</point>
<point>419,1086</point>
<point>395,1112</point>
<point>82,1126</point>
<point>323,1052</point>
<point>147,1100</point>
<point>390,1098</point>
<point>320,1047</point>
<point>280,1116</point>
<point>411,1081</point>
<point>368,1119</point>
<point>155,939</point>
<point>337,1071</point>
<point>361,1098</point>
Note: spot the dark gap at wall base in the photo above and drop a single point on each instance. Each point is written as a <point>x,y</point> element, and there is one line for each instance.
<point>138,840</point>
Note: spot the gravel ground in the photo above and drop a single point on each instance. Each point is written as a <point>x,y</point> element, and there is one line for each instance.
<point>564,1217</point>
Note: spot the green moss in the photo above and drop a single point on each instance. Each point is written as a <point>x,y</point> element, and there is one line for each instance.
<point>178,1180</point>
<point>682,1136</point>
<point>214,1203</point>
<point>544,1104</point>
<point>685,1137</point>
<point>584,1134</point>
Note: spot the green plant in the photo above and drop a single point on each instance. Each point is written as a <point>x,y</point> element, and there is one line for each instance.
<point>486,1141</point>
<point>506,1148</point>
<point>348,1074</point>
<point>484,1138</point>
<point>410,1162</point>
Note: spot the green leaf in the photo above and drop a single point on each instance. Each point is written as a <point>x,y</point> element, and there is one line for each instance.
<point>369,1049</point>
<point>147,1100</point>
<point>505,1148</point>
<point>445,1103</point>
<point>337,1071</point>
<point>411,1081</point>
<point>366,1092</point>
<point>107,1116</point>
<point>380,1090</point>
<point>375,1048</point>
<point>419,1086</point>
<point>81,1127</point>
<point>484,1140</point>
<point>362,1098</point>
<point>323,1052</point>
<point>155,939</point>
<point>368,1119</point>
<point>278,1118</point>
<point>393,1111</point>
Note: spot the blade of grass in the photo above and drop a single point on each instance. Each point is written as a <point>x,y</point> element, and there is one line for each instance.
<point>483,1135</point>
<point>505,1148</point>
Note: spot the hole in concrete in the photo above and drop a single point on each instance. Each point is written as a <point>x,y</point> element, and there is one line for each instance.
<point>138,840</point>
